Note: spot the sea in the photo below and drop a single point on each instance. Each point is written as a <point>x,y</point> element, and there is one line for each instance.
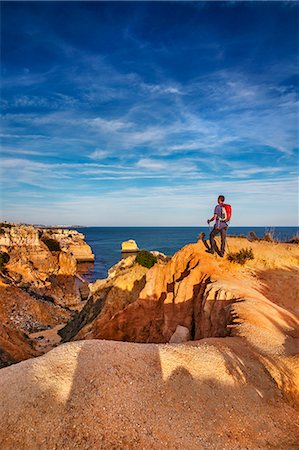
<point>106,242</point>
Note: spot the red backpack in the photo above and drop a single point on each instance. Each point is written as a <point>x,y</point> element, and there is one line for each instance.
<point>228,211</point>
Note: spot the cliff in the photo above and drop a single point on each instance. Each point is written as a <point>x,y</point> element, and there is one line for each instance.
<point>207,295</point>
<point>234,384</point>
<point>38,284</point>
<point>69,241</point>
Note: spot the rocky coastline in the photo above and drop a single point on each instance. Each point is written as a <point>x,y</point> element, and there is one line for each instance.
<point>39,286</point>
<point>172,333</point>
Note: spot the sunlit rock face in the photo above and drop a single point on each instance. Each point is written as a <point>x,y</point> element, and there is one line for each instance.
<point>129,246</point>
<point>209,297</point>
<point>72,241</point>
<point>107,394</point>
<point>202,332</point>
<point>38,284</point>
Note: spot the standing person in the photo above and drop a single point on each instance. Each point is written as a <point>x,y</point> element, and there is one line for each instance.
<point>220,226</point>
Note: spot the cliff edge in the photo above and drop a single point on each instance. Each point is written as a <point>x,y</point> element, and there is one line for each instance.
<point>38,285</point>
<point>234,384</point>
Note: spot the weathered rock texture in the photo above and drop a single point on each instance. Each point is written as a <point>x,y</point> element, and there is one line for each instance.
<point>212,394</point>
<point>181,334</point>
<point>233,385</point>
<point>129,246</point>
<point>71,241</point>
<point>38,287</point>
<point>209,296</point>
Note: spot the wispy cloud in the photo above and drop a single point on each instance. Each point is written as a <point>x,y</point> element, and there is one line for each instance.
<point>98,154</point>
<point>174,112</point>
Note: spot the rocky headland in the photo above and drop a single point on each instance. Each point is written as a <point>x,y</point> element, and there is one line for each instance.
<point>39,286</point>
<point>194,352</point>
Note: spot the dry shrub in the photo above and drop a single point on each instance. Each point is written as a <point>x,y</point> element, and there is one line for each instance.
<point>252,236</point>
<point>294,239</point>
<point>240,257</point>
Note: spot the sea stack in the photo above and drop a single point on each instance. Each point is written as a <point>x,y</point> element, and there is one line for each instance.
<point>129,246</point>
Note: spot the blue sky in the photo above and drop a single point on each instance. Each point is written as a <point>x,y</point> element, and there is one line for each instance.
<point>142,113</point>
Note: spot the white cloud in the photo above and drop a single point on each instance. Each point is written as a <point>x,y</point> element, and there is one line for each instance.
<point>108,125</point>
<point>98,154</point>
<point>162,89</point>
<point>171,205</point>
<point>150,164</point>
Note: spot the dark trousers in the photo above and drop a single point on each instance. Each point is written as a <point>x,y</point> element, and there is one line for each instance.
<point>213,244</point>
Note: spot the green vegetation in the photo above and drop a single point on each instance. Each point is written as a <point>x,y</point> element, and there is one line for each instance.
<point>245,254</point>
<point>52,245</point>
<point>146,259</point>
<point>4,258</point>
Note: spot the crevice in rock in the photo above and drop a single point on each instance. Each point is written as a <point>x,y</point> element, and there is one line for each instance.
<point>91,310</point>
<point>198,291</point>
<point>37,296</point>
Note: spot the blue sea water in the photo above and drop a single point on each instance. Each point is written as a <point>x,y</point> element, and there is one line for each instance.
<point>106,241</point>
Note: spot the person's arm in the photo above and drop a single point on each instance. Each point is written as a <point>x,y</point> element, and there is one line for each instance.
<point>213,218</point>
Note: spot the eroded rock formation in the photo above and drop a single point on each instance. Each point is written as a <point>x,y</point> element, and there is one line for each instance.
<point>38,286</point>
<point>209,296</point>
<point>234,384</point>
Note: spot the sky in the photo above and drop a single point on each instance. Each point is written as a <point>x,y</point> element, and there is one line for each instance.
<point>142,113</point>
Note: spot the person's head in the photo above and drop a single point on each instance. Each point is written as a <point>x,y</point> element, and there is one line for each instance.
<point>221,199</point>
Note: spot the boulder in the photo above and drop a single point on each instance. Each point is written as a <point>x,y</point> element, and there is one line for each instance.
<point>129,246</point>
<point>181,334</point>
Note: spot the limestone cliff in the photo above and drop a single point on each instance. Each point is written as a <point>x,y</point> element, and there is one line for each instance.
<point>233,385</point>
<point>209,296</point>
<point>69,241</point>
<point>38,286</point>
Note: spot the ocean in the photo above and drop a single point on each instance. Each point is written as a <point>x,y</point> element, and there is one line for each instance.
<point>106,242</point>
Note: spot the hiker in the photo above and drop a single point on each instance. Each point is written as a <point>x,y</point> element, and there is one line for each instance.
<point>221,225</point>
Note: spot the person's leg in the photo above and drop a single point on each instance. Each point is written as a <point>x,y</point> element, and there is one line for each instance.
<point>223,240</point>
<point>212,240</point>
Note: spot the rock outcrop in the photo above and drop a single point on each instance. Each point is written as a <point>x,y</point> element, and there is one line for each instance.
<point>71,241</point>
<point>38,286</point>
<point>234,384</point>
<point>209,296</point>
<point>181,334</point>
<point>129,246</point>
<point>209,394</point>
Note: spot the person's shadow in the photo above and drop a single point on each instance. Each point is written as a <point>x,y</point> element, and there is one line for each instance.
<point>201,237</point>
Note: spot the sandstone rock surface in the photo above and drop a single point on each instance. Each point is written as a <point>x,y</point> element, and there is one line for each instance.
<point>37,287</point>
<point>129,246</point>
<point>209,296</point>
<point>181,334</point>
<point>71,241</point>
<point>103,394</point>
<point>233,385</point>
